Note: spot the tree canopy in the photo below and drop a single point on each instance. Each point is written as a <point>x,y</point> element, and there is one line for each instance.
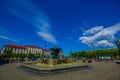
<point>92,53</point>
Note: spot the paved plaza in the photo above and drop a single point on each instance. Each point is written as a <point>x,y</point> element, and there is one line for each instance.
<point>99,71</point>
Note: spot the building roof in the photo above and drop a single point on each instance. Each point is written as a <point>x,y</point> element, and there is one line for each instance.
<point>16,46</point>
<point>32,46</point>
<point>24,47</point>
<point>46,50</point>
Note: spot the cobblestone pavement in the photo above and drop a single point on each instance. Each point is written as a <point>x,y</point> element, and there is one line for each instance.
<point>100,71</point>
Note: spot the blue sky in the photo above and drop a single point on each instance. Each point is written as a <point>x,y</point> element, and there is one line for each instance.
<point>73,25</point>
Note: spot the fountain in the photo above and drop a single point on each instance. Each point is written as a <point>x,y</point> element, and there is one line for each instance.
<point>56,62</point>
<point>53,55</point>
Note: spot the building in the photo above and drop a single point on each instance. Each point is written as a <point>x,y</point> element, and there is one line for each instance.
<point>34,49</point>
<point>14,48</point>
<point>46,52</point>
<point>24,49</point>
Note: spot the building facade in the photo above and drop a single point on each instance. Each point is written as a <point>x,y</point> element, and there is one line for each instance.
<point>24,49</point>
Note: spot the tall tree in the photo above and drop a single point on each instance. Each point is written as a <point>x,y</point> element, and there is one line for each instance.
<point>9,53</point>
<point>118,46</point>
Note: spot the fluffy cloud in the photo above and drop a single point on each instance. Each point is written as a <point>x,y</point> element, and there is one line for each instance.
<point>93,30</point>
<point>105,43</point>
<point>26,10</point>
<point>100,36</point>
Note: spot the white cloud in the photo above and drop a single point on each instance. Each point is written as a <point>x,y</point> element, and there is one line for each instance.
<point>31,13</point>
<point>7,38</point>
<point>93,30</point>
<point>100,37</point>
<point>105,43</point>
<point>4,34</point>
<point>47,36</point>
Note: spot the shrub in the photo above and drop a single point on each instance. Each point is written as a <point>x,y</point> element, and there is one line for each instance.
<point>39,61</point>
<point>89,61</point>
<point>84,61</point>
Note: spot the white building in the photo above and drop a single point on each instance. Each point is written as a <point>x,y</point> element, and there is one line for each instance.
<point>14,48</point>
<point>34,49</point>
<point>24,49</point>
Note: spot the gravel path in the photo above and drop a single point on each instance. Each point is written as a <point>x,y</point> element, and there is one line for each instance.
<point>101,71</point>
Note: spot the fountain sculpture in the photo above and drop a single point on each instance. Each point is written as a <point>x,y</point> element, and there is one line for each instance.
<point>56,62</point>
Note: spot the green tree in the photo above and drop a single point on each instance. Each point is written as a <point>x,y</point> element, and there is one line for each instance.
<point>9,53</point>
<point>30,55</point>
<point>71,54</point>
<point>89,54</point>
<point>118,46</point>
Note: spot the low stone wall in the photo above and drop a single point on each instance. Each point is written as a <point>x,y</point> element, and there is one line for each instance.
<point>53,69</point>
